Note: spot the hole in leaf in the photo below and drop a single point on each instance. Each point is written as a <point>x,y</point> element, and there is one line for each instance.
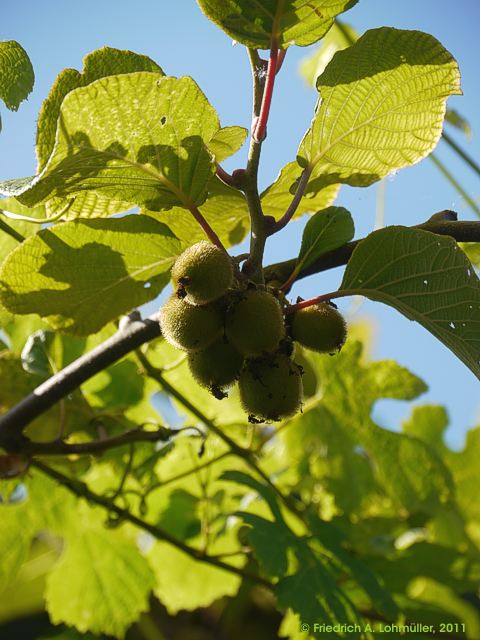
<point>163,120</point>
<point>147,285</point>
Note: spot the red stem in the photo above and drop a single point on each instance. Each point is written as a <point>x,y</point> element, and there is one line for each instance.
<point>325,298</point>
<point>209,232</point>
<point>260,130</point>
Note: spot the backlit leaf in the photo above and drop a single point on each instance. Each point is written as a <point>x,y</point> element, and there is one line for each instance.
<point>227,141</point>
<point>80,275</point>
<point>108,583</point>
<point>299,22</point>
<point>97,64</point>
<point>381,106</point>
<point>137,138</point>
<point>16,74</point>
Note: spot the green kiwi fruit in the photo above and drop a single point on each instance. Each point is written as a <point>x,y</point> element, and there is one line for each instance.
<point>204,272</point>
<point>319,327</point>
<point>254,323</point>
<point>216,367</point>
<point>270,388</point>
<point>190,327</point>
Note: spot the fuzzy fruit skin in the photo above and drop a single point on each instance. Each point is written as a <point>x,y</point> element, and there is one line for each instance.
<point>204,271</point>
<point>217,366</point>
<point>254,323</point>
<point>270,388</point>
<point>320,328</point>
<point>190,327</point>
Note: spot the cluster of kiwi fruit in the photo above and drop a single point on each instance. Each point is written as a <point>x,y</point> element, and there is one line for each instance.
<point>236,331</point>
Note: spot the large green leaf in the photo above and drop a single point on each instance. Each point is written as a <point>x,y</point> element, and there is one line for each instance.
<point>80,275</point>
<point>428,279</point>
<point>108,582</point>
<point>311,579</point>
<point>277,197</point>
<point>336,440</point>
<point>16,74</point>
<point>98,64</point>
<point>381,106</point>
<point>254,23</point>
<point>137,138</point>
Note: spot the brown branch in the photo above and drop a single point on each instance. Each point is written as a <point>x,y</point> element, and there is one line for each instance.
<point>138,332</point>
<point>127,339</point>
<point>81,490</point>
<point>96,447</point>
<point>464,231</point>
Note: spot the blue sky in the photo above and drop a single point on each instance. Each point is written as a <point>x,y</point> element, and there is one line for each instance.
<point>57,34</point>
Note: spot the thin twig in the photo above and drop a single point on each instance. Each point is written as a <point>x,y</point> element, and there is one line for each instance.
<point>253,265</point>
<point>185,474</point>
<point>81,490</point>
<point>289,213</point>
<point>96,447</point>
<point>225,177</point>
<point>209,232</point>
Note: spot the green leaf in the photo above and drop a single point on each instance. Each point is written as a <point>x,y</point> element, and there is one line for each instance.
<point>137,138</point>
<point>118,386</point>
<point>80,275</point>
<point>312,593</point>
<point>277,197</point>
<point>227,141</point>
<point>35,357</point>
<point>15,536</point>
<point>289,21</point>
<point>108,583</point>
<point>429,422</point>
<point>381,106</point>
<point>472,250</point>
<point>270,541</point>
<point>338,421</point>
<point>325,231</point>
<point>430,592</point>
<point>185,583</point>
<point>225,210</point>
<point>16,74</point>
<point>339,37</point>
<point>428,279</point>
<point>98,64</point>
